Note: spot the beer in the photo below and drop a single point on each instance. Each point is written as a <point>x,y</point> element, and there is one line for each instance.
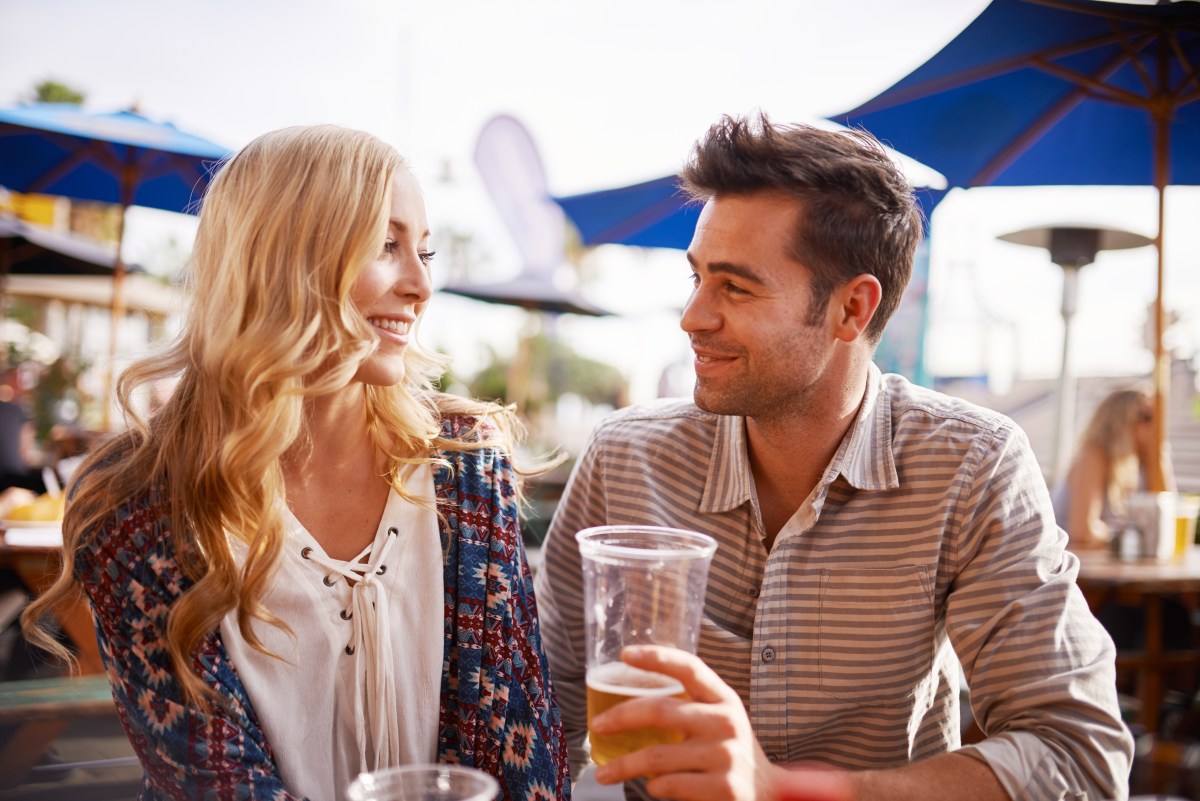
<point>610,684</point>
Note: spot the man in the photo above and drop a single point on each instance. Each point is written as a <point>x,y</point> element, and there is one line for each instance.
<point>868,530</point>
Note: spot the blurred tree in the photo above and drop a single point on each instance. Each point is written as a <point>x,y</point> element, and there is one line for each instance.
<point>51,91</point>
<point>563,370</point>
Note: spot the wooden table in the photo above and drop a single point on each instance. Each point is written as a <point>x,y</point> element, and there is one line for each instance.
<point>1144,582</point>
<point>36,557</point>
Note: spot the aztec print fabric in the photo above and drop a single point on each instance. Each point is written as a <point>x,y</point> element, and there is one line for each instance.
<point>497,710</point>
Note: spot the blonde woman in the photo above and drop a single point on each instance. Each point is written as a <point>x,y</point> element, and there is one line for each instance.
<point>1114,453</point>
<point>307,563</point>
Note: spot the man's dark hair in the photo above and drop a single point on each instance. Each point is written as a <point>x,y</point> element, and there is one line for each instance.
<point>859,214</point>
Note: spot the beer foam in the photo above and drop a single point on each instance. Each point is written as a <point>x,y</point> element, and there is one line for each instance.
<point>619,678</point>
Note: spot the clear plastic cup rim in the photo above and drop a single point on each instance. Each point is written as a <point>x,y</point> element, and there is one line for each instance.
<point>598,542</point>
<point>482,785</point>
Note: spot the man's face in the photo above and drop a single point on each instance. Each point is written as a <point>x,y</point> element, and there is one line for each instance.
<point>756,352</point>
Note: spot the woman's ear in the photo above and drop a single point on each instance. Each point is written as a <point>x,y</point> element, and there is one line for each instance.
<point>855,303</point>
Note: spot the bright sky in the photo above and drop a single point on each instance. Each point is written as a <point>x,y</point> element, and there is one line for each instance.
<point>612,93</point>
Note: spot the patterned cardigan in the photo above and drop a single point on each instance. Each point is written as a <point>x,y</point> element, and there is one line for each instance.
<point>497,709</point>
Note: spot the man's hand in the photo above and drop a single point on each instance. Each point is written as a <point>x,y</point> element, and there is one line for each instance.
<point>719,759</point>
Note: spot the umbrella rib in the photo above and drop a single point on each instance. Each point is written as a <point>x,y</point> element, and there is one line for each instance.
<point>1033,132</point>
<point>1108,13</point>
<point>1190,73</point>
<point>76,156</point>
<point>981,73</point>
<point>1096,86</point>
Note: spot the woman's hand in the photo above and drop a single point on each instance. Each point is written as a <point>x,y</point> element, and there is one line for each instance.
<point>720,758</point>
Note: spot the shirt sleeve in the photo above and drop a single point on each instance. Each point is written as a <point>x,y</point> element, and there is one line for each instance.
<point>186,751</point>
<point>1039,667</point>
<point>559,586</point>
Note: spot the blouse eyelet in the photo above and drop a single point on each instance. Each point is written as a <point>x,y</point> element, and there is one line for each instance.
<point>304,553</point>
<point>346,614</point>
<point>393,531</point>
<point>382,569</point>
<point>349,650</point>
<point>330,580</point>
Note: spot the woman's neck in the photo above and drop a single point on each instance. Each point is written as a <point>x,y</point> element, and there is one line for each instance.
<point>337,440</point>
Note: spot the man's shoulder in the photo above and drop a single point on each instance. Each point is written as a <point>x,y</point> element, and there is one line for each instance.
<point>665,414</point>
<point>912,402</point>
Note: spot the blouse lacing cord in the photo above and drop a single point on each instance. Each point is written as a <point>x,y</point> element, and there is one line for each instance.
<point>371,646</point>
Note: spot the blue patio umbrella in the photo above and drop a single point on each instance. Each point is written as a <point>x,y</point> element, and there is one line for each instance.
<point>654,214</point>
<point>1058,92</point>
<point>119,157</point>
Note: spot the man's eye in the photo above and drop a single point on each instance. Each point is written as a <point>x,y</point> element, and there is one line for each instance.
<point>695,279</point>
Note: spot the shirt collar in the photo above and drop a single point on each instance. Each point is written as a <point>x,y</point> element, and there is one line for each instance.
<point>730,483</point>
<point>864,458</point>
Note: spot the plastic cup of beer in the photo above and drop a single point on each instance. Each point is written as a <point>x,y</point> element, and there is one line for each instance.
<point>424,783</point>
<point>642,585</point>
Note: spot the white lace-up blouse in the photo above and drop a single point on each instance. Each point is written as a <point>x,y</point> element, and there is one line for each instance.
<point>359,681</point>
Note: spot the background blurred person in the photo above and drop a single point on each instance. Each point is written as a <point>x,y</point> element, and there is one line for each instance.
<point>18,448</point>
<point>307,563</point>
<point>1111,463</point>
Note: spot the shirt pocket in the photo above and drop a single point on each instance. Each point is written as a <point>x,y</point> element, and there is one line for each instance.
<point>876,633</point>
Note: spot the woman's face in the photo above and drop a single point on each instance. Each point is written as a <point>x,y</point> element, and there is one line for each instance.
<point>392,290</point>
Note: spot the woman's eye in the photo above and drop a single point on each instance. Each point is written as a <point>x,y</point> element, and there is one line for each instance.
<point>426,256</point>
<point>389,247</point>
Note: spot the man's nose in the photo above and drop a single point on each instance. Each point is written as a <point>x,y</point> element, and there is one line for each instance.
<point>698,314</point>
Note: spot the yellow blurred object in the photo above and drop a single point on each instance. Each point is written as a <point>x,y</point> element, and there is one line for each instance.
<point>43,508</point>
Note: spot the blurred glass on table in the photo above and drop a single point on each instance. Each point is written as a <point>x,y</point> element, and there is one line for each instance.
<point>424,783</point>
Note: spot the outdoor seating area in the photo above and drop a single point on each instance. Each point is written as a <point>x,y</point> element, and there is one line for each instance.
<point>491,402</point>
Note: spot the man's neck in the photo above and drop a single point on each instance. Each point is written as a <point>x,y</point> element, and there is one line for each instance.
<point>789,453</point>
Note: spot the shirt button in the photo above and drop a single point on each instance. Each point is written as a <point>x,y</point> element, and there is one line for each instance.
<point>768,655</point>
<point>752,591</point>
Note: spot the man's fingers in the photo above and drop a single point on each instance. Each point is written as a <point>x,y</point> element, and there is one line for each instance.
<point>660,761</point>
<point>698,679</point>
<point>689,719</point>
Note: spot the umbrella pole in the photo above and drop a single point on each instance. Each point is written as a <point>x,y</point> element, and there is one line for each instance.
<point>1155,479</point>
<point>116,315</point>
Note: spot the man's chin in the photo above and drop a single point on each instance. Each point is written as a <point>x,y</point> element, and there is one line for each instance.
<point>713,402</point>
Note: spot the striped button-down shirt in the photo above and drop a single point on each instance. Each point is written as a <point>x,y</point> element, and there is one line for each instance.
<point>930,536</point>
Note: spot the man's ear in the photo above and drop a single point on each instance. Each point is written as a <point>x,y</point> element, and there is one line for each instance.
<point>855,303</point>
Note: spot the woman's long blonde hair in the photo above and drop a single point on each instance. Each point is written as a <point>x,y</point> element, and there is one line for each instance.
<point>287,225</point>
<point>1111,431</point>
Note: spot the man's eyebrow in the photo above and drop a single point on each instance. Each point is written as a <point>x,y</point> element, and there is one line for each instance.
<point>729,268</point>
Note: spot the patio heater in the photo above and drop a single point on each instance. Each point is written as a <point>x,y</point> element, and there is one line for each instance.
<point>1072,247</point>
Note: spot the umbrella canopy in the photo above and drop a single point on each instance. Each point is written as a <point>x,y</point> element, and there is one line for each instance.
<point>120,157</point>
<point>1057,92</point>
<point>654,214</point>
<point>30,250</point>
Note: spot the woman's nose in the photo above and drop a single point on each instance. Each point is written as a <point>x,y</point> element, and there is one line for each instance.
<point>414,280</point>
